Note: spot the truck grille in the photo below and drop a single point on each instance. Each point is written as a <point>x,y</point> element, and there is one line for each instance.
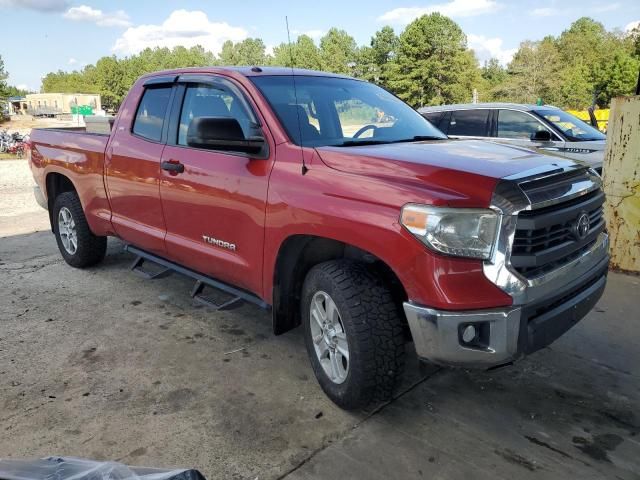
<point>550,237</point>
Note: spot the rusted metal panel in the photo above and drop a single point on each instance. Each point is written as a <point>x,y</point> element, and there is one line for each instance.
<point>622,183</point>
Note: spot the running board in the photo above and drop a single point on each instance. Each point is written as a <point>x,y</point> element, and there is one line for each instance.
<point>202,281</point>
<point>136,267</point>
<point>196,294</point>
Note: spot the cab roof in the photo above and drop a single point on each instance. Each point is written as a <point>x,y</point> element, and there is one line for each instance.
<point>248,71</point>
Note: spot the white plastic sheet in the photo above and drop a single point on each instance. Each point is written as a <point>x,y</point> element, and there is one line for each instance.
<point>70,468</point>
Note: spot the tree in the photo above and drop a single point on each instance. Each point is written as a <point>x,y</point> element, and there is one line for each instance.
<point>619,76</point>
<point>384,44</point>
<point>302,54</point>
<point>373,61</point>
<point>605,59</point>
<point>69,82</point>
<point>493,76</point>
<point>493,72</point>
<point>585,41</point>
<point>533,73</point>
<point>229,54</point>
<point>338,51</point>
<point>250,51</point>
<point>634,40</point>
<point>112,80</point>
<point>11,91</point>
<point>3,77</point>
<point>433,64</point>
<point>575,89</point>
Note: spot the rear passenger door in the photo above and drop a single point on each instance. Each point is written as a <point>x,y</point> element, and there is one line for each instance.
<point>473,123</point>
<point>132,166</point>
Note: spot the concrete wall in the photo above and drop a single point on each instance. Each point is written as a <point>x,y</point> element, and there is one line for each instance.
<point>622,183</point>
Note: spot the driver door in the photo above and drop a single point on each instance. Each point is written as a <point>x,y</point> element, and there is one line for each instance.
<point>214,208</point>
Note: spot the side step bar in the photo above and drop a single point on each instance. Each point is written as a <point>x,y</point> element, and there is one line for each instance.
<point>202,281</point>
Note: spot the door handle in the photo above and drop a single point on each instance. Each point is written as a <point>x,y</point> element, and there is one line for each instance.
<point>172,166</point>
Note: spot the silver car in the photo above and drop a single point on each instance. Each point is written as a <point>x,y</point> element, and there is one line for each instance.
<point>544,128</point>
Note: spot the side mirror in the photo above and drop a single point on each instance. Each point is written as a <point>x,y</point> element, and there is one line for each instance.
<point>541,136</point>
<point>221,133</point>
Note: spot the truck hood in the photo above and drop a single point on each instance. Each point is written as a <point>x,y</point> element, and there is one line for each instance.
<point>424,160</point>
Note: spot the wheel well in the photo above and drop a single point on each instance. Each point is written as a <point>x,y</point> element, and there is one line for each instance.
<point>56,183</point>
<point>298,254</point>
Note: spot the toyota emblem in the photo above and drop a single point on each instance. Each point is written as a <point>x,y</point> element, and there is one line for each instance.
<point>581,228</point>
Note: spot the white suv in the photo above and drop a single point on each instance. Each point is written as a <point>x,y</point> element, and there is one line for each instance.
<point>544,128</point>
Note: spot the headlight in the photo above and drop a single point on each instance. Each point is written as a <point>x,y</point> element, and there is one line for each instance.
<point>463,232</point>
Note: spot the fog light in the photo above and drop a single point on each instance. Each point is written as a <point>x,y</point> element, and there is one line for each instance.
<point>469,334</point>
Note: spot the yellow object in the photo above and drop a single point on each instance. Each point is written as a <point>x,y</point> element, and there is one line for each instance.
<point>602,116</point>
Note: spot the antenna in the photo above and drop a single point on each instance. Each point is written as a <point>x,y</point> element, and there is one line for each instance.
<point>295,95</point>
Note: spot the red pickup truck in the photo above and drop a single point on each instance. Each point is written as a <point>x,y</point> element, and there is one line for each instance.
<point>338,207</point>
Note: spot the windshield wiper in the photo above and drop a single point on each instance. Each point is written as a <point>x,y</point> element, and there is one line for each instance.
<point>416,138</point>
<point>355,143</point>
<point>419,138</point>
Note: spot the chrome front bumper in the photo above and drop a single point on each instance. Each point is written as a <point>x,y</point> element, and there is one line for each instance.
<point>551,308</point>
<point>37,192</point>
<point>437,335</point>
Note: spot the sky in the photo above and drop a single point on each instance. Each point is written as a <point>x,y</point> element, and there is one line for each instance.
<point>40,36</point>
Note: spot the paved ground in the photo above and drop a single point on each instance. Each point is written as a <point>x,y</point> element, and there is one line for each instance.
<point>101,364</point>
<point>19,213</point>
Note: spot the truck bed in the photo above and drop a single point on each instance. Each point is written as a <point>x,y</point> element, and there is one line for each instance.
<point>79,156</point>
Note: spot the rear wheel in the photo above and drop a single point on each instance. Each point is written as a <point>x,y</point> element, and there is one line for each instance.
<point>78,245</point>
<point>353,333</point>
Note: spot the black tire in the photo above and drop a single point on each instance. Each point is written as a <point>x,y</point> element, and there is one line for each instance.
<point>374,331</point>
<point>90,248</point>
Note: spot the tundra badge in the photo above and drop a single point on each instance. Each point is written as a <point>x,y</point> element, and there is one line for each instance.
<point>219,243</point>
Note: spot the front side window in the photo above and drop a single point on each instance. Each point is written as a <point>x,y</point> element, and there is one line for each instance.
<point>469,123</point>
<point>211,101</point>
<point>151,112</point>
<point>330,111</point>
<point>513,124</point>
<point>573,128</point>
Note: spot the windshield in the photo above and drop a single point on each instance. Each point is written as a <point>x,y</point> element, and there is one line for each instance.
<point>573,128</point>
<point>342,112</point>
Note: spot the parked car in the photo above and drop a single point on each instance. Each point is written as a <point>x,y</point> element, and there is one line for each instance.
<point>544,128</point>
<point>290,190</point>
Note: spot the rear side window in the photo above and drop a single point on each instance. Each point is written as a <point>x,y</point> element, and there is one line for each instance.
<point>433,117</point>
<point>470,123</point>
<point>512,124</point>
<point>151,111</point>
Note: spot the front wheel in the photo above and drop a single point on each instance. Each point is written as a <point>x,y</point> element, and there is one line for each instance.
<point>353,333</point>
<point>78,245</point>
